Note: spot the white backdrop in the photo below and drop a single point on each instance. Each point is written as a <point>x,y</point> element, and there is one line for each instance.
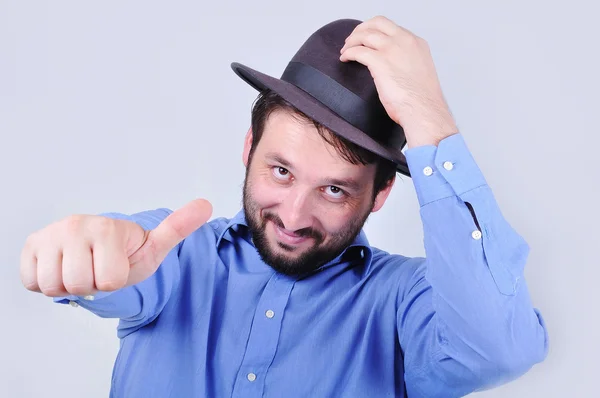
<point>131,105</point>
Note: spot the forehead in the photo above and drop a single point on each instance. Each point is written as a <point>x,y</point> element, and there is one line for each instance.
<point>301,144</point>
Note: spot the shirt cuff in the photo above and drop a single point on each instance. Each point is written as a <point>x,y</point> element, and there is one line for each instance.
<point>73,300</point>
<point>444,170</point>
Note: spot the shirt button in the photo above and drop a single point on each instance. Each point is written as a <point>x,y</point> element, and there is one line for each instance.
<point>427,171</point>
<point>448,166</point>
<point>270,314</point>
<point>73,303</point>
<point>88,298</point>
<point>476,235</point>
<point>251,376</point>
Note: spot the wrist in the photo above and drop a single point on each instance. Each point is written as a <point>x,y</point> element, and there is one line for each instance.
<point>429,129</point>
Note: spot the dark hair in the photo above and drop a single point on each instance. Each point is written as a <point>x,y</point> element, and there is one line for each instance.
<point>268,101</point>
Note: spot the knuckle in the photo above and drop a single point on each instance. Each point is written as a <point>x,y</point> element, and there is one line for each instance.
<point>30,285</point>
<point>387,44</point>
<point>371,36</point>
<point>30,241</point>
<point>33,242</point>
<point>412,40</point>
<point>73,224</point>
<point>52,290</point>
<point>26,258</point>
<point>407,38</point>
<point>104,227</point>
<point>28,276</point>
<point>110,285</point>
<point>78,289</point>
<point>369,39</point>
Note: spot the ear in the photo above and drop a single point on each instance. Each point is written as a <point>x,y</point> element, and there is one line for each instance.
<point>383,195</point>
<point>247,146</point>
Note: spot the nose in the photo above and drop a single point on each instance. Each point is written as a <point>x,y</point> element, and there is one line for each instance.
<point>295,210</point>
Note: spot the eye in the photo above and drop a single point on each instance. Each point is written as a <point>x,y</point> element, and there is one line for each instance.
<point>281,173</point>
<point>334,192</point>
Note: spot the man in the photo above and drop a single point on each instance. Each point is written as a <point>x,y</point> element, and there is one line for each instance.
<point>288,298</point>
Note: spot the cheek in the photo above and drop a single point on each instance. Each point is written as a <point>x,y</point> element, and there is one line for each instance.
<point>337,220</point>
<point>263,192</point>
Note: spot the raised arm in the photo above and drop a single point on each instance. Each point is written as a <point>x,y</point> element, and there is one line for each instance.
<point>465,321</point>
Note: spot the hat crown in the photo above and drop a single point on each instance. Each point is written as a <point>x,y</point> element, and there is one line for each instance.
<point>322,51</point>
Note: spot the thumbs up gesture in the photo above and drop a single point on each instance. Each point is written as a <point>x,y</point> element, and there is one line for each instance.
<point>83,254</point>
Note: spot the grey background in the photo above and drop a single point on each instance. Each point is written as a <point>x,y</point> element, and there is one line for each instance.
<point>126,106</point>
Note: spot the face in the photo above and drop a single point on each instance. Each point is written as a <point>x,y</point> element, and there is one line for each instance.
<point>304,203</point>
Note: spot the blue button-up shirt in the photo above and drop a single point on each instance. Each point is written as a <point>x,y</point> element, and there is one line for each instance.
<point>215,321</point>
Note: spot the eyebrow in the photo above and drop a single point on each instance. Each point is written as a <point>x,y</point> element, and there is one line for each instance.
<point>349,183</point>
<point>274,157</point>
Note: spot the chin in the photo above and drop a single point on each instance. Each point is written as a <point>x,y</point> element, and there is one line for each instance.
<point>282,248</point>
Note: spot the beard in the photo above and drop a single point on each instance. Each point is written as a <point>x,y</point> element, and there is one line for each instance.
<point>312,258</point>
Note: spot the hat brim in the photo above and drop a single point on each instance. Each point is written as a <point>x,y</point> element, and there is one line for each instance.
<point>312,108</point>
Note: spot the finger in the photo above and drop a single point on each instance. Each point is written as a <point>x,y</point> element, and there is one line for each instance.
<point>389,28</point>
<point>381,24</point>
<point>369,38</point>
<point>77,269</point>
<point>179,224</point>
<point>110,261</point>
<point>28,269</point>
<point>49,273</point>
<point>364,55</point>
<point>172,230</point>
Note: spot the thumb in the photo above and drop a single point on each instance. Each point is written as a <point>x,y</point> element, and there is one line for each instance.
<point>172,230</point>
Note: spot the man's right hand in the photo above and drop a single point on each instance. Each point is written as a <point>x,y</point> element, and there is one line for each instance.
<point>83,254</point>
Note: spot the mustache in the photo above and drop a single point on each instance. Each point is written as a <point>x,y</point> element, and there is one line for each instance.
<point>304,232</point>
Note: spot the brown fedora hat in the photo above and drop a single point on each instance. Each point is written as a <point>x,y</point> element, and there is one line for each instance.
<point>340,95</point>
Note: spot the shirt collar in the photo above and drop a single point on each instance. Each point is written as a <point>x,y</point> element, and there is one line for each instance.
<point>239,220</point>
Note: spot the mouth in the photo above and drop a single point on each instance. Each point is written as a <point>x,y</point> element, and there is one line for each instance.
<point>289,238</point>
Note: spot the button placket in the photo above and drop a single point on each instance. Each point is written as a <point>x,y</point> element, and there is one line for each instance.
<point>264,336</point>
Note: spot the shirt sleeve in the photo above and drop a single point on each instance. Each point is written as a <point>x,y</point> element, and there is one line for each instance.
<point>465,321</point>
<point>139,304</point>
